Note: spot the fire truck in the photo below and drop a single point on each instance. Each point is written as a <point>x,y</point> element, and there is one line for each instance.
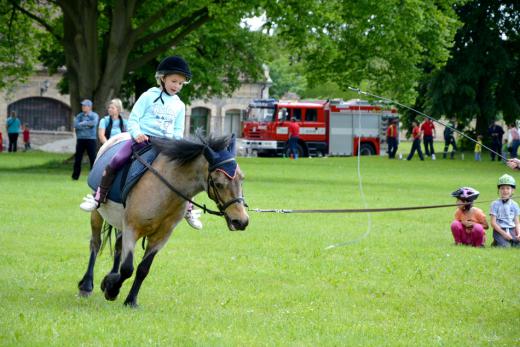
<point>334,127</point>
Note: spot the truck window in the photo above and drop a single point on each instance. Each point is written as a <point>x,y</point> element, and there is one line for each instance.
<point>311,115</point>
<point>283,115</point>
<point>297,113</point>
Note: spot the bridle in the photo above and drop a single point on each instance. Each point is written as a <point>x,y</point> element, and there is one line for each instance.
<point>210,184</point>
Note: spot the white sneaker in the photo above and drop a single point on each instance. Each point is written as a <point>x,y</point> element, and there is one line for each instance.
<point>192,217</point>
<point>89,204</point>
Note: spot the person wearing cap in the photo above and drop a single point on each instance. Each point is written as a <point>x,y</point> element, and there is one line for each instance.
<point>158,112</point>
<point>504,214</point>
<point>470,222</point>
<point>85,125</point>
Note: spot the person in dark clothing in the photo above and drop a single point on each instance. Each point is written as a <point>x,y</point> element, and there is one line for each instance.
<point>496,132</point>
<point>449,139</point>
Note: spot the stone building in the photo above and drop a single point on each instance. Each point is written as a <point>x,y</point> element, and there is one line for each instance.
<point>48,113</point>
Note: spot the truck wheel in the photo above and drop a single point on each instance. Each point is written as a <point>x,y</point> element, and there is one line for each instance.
<point>367,149</point>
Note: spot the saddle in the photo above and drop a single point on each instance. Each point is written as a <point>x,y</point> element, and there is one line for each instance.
<point>127,177</point>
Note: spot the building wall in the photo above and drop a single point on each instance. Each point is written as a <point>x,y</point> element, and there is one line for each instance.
<point>35,86</point>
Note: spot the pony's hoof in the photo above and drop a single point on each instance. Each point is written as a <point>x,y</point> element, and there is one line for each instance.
<point>85,287</point>
<point>131,304</point>
<point>109,286</point>
<point>84,293</point>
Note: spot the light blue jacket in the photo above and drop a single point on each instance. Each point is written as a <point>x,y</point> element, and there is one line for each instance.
<point>86,125</point>
<point>13,125</point>
<point>150,116</point>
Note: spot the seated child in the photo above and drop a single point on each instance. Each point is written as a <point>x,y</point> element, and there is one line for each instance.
<point>470,222</point>
<point>504,215</point>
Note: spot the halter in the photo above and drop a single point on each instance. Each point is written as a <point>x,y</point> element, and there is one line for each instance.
<point>218,200</point>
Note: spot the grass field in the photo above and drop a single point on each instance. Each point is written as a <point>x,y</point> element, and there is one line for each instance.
<point>275,284</point>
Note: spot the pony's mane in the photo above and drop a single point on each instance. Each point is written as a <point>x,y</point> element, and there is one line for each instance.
<point>185,150</point>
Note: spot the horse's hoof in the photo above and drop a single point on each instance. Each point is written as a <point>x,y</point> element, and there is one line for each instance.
<point>84,293</point>
<point>85,286</point>
<point>131,304</point>
<point>109,286</point>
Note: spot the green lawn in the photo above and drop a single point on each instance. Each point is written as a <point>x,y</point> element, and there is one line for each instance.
<point>403,284</point>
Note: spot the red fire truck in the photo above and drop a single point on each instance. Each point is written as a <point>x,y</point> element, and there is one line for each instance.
<point>332,127</point>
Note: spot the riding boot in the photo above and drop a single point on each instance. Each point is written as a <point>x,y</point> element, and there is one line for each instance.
<point>106,183</point>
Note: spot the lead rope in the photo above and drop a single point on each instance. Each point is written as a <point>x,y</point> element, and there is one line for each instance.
<point>361,193</point>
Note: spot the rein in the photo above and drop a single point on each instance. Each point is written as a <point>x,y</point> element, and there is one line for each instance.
<point>175,190</point>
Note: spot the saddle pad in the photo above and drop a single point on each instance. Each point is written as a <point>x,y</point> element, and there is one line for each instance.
<point>126,178</point>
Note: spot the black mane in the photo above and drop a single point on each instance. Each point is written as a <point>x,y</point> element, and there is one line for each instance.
<point>186,150</point>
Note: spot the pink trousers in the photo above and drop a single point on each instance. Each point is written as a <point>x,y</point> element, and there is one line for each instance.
<point>475,237</point>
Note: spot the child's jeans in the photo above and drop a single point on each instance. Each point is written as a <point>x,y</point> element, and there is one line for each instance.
<point>500,241</point>
<point>476,237</point>
<point>477,156</point>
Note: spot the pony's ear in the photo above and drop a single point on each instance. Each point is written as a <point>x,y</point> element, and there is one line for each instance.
<point>232,145</point>
<point>209,154</point>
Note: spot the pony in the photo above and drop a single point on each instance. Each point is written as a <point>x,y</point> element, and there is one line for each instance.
<point>158,202</point>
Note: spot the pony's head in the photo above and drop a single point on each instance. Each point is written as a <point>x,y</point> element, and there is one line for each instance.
<point>225,184</point>
<point>224,177</point>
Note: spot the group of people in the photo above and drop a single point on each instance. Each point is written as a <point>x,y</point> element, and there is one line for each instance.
<point>158,112</point>
<point>507,148</point>
<point>14,127</point>
<point>426,131</point>
<point>469,225</point>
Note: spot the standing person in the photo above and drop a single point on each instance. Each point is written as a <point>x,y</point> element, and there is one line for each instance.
<point>416,145</point>
<point>449,139</point>
<point>26,137</point>
<point>428,130</point>
<point>1,142</point>
<point>294,135</point>
<point>13,126</point>
<point>515,139</point>
<point>158,112</point>
<point>470,222</point>
<point>85,125</point>
<point>504,215</point>
<point>478,148</point>
<point>496,132</point>
<point>391,139</point>
<point>113,123</point>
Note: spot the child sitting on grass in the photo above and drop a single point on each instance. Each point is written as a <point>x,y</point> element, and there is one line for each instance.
<point>470,222</point>
<point>504,215</point>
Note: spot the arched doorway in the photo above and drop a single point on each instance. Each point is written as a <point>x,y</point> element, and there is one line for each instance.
<point>42,113</point>
<point>233,123</point>
<point>199,119</point>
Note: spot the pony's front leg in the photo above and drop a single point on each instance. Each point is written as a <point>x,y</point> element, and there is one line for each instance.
<point>112,282</point>
<point>86,284</point>
<point>155,243</point>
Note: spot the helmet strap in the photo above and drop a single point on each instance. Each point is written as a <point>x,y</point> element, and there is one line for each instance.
<point>163,90</point>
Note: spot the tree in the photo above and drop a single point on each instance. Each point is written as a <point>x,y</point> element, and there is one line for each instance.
<point>103,42</point>
<point>382,44</point>
<point>482,76</point>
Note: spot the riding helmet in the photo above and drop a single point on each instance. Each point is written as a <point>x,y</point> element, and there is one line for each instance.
<point>506,180</point>
<point>174,64</point>
<point>466,194</point>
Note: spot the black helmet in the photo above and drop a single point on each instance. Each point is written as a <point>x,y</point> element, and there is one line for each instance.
<point>174,64</point>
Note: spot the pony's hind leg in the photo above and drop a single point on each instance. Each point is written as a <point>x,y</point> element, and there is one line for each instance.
<point>113,281</point>
<point>86,284</point>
